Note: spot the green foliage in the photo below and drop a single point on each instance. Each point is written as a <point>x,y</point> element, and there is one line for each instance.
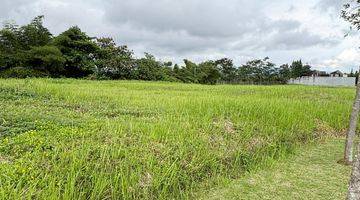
<point>285,72</point>
<point>16,42</point>
<point>11,60</point>
<point>48,59</point>
<point>14,38</point>
<point>11,48</point>
<point>149,69</point>
<point>209,73</point>
<point>79,51</point>
<point>114,62</point>
<point>34,34</point>
<point>9,39</point>
<point>228,70</point>
<point>299,70</point>
<point>20,72</point>
<point>351,13</point>
<point>259,71</point>
<point>188,73</point>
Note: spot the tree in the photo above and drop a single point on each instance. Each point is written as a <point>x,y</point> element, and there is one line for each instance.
<point>189,73</point>
<point>351,13</point>
<point>285,72</point>
<point>258,71</point>
<point>352,74</point>
<point>208,73</point>
<point>299,70</point>
<point>306,70</point>
<point>15,38</point>
<point>354,185</point>
<point>148,68</point>
<point>48,59</point>
<point>32,48</point>
<point>15,42</point>
<point>296,69</point>
<point>9,39</point>
<point>348,155</point>
<point>79,51</point>
<point>112,61</point>
<point>227,69</point>
<point>10,47</point>
<point>34,34</point>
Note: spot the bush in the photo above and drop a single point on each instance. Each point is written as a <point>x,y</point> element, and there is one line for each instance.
<point>48,59</point>
<point>20,72</point>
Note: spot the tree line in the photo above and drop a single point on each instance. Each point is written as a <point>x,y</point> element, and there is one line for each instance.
<point>32,51</point>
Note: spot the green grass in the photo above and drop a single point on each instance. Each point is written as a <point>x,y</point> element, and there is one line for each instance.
<point>312,174</point>
<point>79,139</point>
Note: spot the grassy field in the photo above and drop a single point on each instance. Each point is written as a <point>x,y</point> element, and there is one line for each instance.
<point>79,139</point>
<point>313,173</point>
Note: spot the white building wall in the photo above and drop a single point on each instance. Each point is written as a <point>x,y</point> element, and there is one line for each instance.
<point>325,81</point>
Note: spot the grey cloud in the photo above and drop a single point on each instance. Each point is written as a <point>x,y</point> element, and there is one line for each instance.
<point>202,25</point>
<point>196,17</point>
<point>187,28</point>
<point>296,39</point>
<point>8,6</point>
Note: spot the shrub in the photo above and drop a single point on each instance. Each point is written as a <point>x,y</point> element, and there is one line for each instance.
<point>20,72</point>
<point>48,59</point>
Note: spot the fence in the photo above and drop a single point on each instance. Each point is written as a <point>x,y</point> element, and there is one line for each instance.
<point>325,81</point>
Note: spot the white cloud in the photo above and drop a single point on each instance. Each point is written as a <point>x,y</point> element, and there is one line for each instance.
<point>347,58</point>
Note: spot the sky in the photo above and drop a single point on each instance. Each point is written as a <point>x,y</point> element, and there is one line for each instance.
<point>283,30</point>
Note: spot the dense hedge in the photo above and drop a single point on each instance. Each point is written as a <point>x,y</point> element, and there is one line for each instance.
<point>20,72</point>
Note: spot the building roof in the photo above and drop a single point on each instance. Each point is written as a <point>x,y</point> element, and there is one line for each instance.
<point>321,72</point>
<point>336,72</point>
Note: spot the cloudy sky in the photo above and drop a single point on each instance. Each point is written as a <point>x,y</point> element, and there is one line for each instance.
<point>284,30</point>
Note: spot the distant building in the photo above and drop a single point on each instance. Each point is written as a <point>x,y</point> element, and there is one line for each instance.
<point>336,73</point>
<point>319,73</point>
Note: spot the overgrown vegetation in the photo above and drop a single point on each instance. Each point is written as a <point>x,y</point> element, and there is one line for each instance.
<point>80,139</point>
<point>32,51</point>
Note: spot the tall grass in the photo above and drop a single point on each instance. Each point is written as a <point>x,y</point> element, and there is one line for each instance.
<point>78,139</point>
